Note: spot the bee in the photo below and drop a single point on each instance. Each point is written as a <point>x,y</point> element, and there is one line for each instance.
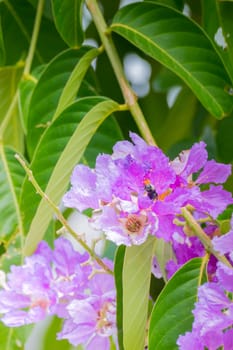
<point>150,190</point>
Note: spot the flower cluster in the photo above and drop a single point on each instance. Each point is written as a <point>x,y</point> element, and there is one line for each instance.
<point>138,191</point>
<point>213,313</point>
<point>65,283</point>
<point>135,192</point>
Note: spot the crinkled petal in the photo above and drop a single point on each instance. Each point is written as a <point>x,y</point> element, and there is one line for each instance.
<point>82,312</point>
<point>107,173</point>
<point>98,342</point>
<point>214,172</point>
<point>121,149</point>
<point>224,243</point>
<point>190,341</point>
<point>166,227</point>
<point>82,194</point>
<point>225,276</point>
<point>228,339</point>
<point>66,259</point>
<point>9,300</point>
<point>191,161</point>
<point>213,340</point>
<point>213,201</point>
<point>75,334</point>
<point>208,311</point>
<point>17,318</point>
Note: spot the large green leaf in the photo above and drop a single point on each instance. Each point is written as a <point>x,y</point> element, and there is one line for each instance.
<point>2,46</point>
<point>118,269</point>
<point>26,88</point>
<point>72,86</point>
<point>163,253</point>
<point>48,91</point>
<point>178,43</point>
<point>224,139</point>
<point>172,312</point>
<point>11,179</point>
<point>178,4</point>
<point>17,24</point>
<point>61,147</point>
<point>219,27</point>
<point>103,140</point>
<point>180,118</point>
<point>49,340</point>
<point>136,277</point>
<point>68,20</point>
<point>53,143</point>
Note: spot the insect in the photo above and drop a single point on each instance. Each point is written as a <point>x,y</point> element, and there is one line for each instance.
<point>150,190</point>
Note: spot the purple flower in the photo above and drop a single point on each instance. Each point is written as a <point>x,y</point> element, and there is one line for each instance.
<point>137,191</point>
<point>213,314</point>
<point>83,182</point>
<point>224,243</point>
<point>91,321</point>
<point>193,163</point>
<point>123,188</point>
<point>28,296</point>
<point>190,341</point>
<point>190,161</point>
<point>214,172</point>
<point>65,283</point>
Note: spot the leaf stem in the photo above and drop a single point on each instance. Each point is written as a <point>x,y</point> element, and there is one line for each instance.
<point>206,241</point>
<point>59,215</point>
<point>128,93</point>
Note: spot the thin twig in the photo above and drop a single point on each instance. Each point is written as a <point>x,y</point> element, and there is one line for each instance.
<point>59,215</point>
<point>206,241</point>
<point>128,93</point>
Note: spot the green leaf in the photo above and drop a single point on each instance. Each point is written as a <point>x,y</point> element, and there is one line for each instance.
<point>62,146</point>
<point>26,88</point>
<point>49,340</point>
<point>11,179</point>
<point>178,43</point>
<point>172,312</point>
<point>177,4</point>
<point>181,114</point>
<point>13,338</point>
<point>10,128</point>
<point>53,143</point>
<point>103,140</point>
<point>72,86</point>
<point>163,253</point>
<point>2,46</point>
<point>68,20</point>
<point>136,277</point>
<point>220,29</point>
<point>17,25</point>
<point>118,269</point>
<point>48,91</point>
<point>224,139</point>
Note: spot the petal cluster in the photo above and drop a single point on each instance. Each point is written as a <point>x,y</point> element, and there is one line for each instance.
<point>67,284</point>
<point>213,315</point>
<point>213,312</point>
<point>138,191</point>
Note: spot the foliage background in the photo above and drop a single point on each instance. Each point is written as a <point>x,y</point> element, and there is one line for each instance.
<point>44,119</point>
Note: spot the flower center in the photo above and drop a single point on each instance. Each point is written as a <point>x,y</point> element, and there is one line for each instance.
<point>133,224</point>
<point>106,318</point>
<point>43,303</point>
